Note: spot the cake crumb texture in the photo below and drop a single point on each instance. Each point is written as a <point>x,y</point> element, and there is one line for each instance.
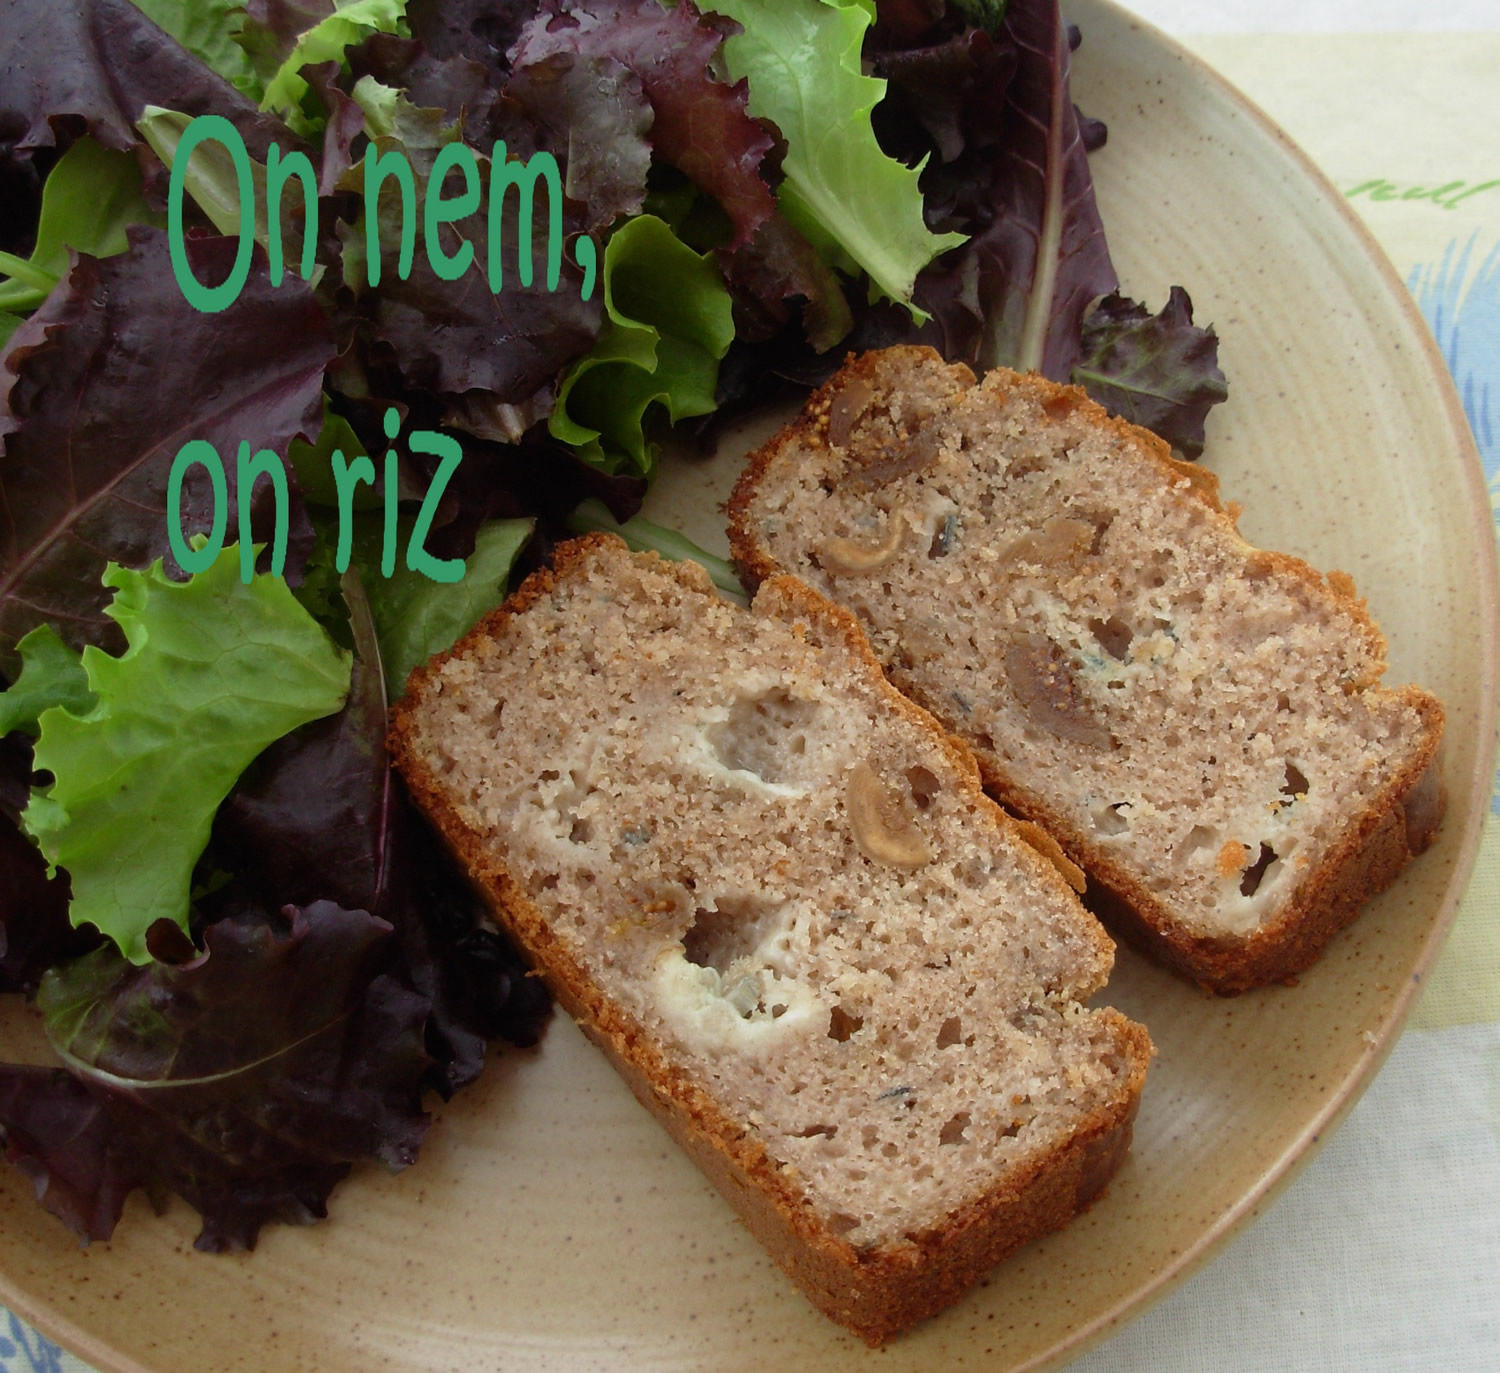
<point>1198,722</point>
<point>774,891</point>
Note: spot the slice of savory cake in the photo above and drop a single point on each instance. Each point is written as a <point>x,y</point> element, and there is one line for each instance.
<point>1198,722</point>
<point>774,892</point>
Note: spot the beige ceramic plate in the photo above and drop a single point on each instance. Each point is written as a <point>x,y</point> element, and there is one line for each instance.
<point>550,1224</point>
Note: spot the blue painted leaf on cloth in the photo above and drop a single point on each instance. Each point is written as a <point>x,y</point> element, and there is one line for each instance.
<point>1461,300</point>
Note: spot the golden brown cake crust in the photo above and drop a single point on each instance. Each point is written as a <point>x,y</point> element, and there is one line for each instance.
<point>1394,826</point>
<point>875,1292</point>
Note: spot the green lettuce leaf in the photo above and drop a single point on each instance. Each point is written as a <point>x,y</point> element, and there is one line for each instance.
<point>802,60</point>
<point>642,536</point>
<point>215,669</point>
<point>326,41</point>
<point>313,463</point>
<point>208,29</point>
<point>669,320</point>
<point>89,199</point>
<point>415,616</point>
<point>51,675</point>
<point>213,183</point>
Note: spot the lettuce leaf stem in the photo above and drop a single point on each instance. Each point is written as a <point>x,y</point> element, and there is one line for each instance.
<point>19,269</point>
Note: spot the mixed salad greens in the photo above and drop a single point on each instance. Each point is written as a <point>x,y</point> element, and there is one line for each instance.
<point>252,957</point>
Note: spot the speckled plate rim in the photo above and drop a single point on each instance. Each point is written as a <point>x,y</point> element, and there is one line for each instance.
<point>1478,781</point>
<point>1279,1171</point>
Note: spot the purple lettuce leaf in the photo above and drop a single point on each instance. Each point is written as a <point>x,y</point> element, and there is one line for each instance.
<point>107,381</point>
<point>536,477</point>
<point>481,30</point>
<point>314,817</point>
<point>58,1133</point>
<point>248,1079</point>
<point>591,113</point>
<point>1017,292</point>
<point>321,815</point>
<point>787,364</point>
<point>1008,165</point>
<point>929,89</point>
<point>701,125</point>
<point>35,931</point>
<point>777,275</point>
<point>903,23</point>
<point>272,27</point>
<point>448,337</point>
<point>464,89</point>
<point>346,123</point>
<point>1159,371</point>
<point>92,67</point>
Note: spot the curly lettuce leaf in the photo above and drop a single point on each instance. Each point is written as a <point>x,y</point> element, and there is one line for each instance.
<point>1016,293</point>
<point>1034,287</point>
<point>326,41</point>
<point>215,669</point>
<point>270,30</point>
<point>802,59</point>
<point>700,124</point>
<point>88,201</point>
<point>57,1133</point>
<point>65,76</point>
<point>772,274</point>
<point>457,336</point>
<point>209,29</point>
<point>669,322</point>
<point>1160,371</point>
<point>322,816</point>
<point>247,1079</point>
<point>51,675</point>
<point>478,30</point>
<point>465,90</point>
<point>592,114</point>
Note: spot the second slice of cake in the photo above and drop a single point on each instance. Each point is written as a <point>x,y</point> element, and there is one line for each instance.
<point>1200,723</point>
